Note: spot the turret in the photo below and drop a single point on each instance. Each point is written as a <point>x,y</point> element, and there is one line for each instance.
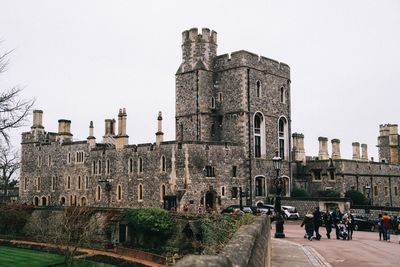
<point>388,143</point>
<point>198,50</point>
<point>323,148</point>
<point>159,133</point>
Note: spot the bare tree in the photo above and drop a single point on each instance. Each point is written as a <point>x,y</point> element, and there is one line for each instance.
<point>13,108</point>
<point>9,165</point>
<point>68,230</point>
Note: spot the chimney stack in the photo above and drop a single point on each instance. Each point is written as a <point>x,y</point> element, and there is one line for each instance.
<point>394,144</point>
<point>364,152</point>
<point>122,138</point>
<point>91,140</point>
<point>64,131</point>
<point>299,153</point>
<point>159,133</point>
<point>336,149</point>
<point>323,148</point>
<point>109,133</point>
<point>356,150</point>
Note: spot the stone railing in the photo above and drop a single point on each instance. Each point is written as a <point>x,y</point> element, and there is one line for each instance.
<point>250,246</point>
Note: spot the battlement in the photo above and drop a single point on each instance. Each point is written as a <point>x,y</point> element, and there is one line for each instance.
<point>388,129</point>
<point>206,36</point>
<point>244,58</point>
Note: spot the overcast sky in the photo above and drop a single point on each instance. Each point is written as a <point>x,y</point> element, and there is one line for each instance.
<point>83,60</point>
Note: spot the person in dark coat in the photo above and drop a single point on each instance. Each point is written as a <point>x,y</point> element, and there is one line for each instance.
<point>328,221</point>
<point>309,226</point>
<point>350,224</point>
<point>380,227</point>
<point>337,217</point>
<point>317,221</point>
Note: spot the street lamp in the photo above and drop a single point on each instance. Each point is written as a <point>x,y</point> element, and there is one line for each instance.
<point>368,191</point>
<point>279,233</point>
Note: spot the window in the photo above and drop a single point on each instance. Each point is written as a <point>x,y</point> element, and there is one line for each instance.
<point>94,168</point>
<point>53,183</point>
<point>234,171</point>
<point>69,182</point>
<point>386,191</point>
<point>44,201</point>
<point>79,157</point>
<point>69,158</point>
<point>25,183</point>
<point>79,183</point>
<point>140,192</point>
<point>98,193</point>
<point>39,161</point>
<point>317,175</point>
<point>162,193</point>
<point>375,190</point>
<point>119,192</point>
<point>163,164</point>
<point>86,182</point>
<point>332,175</point>
<point>222,191</point>
<point>212,129</point>
<point>234,192</point>
<point>99,167</point>
<point>220,97</point>
<point>130,166</point>
<point>396,191</point>
<point>212,102</point>
<point>108,166</point>
<point>260,186</point>
<point>282,137</point>
<point>210,171</point>
<point>282,94</point>
<point>258,121</point>
<point>38,184</point>
<point>258,89</point>
<point>49,163</point>
<point>140,164</point>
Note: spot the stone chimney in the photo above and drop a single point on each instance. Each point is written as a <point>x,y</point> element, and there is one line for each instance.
<point>159,133</point>
<point>336,149</point>
<point>64,131</point>
<point>364,152</point>
<point>394,144</point>
<point>109,134</point>
<point>356,150</point>
<point>299,153</point>
<point>91,140</point>
<point>122,138</point>
<point>37,124</point>
<point>323,148</point>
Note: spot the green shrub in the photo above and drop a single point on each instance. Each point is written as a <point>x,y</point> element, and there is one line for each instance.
<point>12,219</point>
<point>328,193</point>
<point>299,192</point>
<point>357,197</point>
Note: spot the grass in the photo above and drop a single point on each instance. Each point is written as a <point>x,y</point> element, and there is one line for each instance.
<point>15,257</point>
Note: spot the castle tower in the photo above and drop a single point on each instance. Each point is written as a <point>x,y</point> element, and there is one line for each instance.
<point>122,138</point>
<point>91,140</point>
<point>388,143</point>
<point>323,148</point>
<point>159,133</point>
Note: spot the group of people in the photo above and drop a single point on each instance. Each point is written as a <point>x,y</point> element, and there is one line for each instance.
<point>343,224</point>
<point>386,225</point>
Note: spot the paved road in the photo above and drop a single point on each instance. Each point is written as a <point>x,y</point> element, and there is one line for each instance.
<point>364,249</point>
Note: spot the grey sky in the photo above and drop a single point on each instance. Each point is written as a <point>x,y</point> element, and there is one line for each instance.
<point>83,60</point>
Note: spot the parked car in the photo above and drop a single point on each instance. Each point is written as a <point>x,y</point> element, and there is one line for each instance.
<point>363,223</point>
<point>245,209</point>
<point>290,212</point>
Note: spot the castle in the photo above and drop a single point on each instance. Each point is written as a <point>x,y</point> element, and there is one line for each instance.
<point>232,117</point>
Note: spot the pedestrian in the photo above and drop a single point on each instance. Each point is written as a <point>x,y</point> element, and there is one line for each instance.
<point>397,231</point>
<point>328,221</point>
<point>309,226</point>
<point>380,227</point>
<point>337,217</point>
<point>317,221</point>
<point>350,224</point>
<point>387,226</point>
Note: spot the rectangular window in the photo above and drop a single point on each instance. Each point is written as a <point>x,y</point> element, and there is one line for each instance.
<point>234,192</point>
<point>317,175</point>
<point>49,161</point>
<point>69,158</point>
<point>210,171</point>
<point>386,191</point>
<point>396,191</point>
<point>38,184</point>
<point>79,183</point>
<point>94,168</point>
<point>79,157</point>
<point>375,190</point>
<point>234,171</point>
<point>257,146</point>
<point>86,182</point>
<point>69,182</point>
<point>282,148</point>
<point>39,161</point>
<point>108,166</point>
<point>53,183</point>
<point>25,183</point>
<point>332,175</point>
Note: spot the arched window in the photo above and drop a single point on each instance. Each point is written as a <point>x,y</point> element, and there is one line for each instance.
<point>140,164</point>
<point>99,167</point>
<point>36,201</point>
<point>38,184</point>
<point>98,193</point>
<point>68,182</point>
<point>83,201</point>
<point>130,166</point>
<point>86,182</point>
<point>162,193</point>
<point>282,138</point>
<point>119,192</point>
<point>260,186</point>
<point>163,164</point>
<point>44,201</point>
<point>223,191</point>
<point>258,89</point>
<point>259,135</point>
<point>220,97</point>
<point>62,201</point>
<point>140,192</point>
<point>53,183</point>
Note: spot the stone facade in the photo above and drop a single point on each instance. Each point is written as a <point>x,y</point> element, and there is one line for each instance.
<point>378,181</point>
<point>232,115</point>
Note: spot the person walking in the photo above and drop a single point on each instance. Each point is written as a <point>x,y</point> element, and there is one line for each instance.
<point>387,226</point>
<point>380,227</point>
<point>309,226</point>
<point>350,224</point>
<point>328,221</point>
<point>317,221</point>
<point>397,227</point>
<point>337,217</point>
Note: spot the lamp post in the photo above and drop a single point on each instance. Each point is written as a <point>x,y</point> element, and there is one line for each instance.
<point>368,191</point>
<point>279,231</point>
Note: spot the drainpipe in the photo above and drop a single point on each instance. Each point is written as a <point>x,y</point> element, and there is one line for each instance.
<point>249,123</point>
<point>197,106</point>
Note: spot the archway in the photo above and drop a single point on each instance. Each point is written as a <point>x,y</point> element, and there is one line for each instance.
<point>44,201</point>
<point>62,201</point>
<point>83,201</point>
<point>211,200</point>
<point>36,201</point>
